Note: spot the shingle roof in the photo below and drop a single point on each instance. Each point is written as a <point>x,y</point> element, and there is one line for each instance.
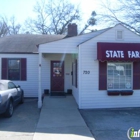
<point>25,43</point>
<point>94,34</point>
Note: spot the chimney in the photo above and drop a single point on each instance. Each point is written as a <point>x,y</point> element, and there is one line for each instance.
<point>72,30</point>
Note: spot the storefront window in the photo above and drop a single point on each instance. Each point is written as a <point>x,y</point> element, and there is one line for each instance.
<point>119,76</point>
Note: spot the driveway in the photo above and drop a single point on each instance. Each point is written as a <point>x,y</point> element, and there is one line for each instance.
<point>22,125</point>
<point>112,124</point>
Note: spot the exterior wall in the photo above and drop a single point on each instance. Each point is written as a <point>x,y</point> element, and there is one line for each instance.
<point>46,62</point>
<point>30,86</point>
<point>90,95</point>
<point>75,90</point>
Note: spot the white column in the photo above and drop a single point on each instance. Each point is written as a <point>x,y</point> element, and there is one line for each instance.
<point>39,82</point>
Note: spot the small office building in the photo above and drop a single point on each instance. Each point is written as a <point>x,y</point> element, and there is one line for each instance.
<point>101,68</point>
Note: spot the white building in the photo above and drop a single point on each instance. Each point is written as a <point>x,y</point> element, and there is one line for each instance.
<point>101,68</point>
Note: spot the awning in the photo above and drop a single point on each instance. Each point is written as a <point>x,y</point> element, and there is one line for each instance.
<point>118,51</point>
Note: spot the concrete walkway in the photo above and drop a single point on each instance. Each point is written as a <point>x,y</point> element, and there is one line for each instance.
<point>61,120</point>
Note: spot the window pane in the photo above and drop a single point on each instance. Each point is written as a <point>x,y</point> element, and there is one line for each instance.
<point>128,72</point>
<point>119,75</point>
<point>11,85</point>
<point>116,80</point>
<point>116,85</point>
<point>14,69</point>
<point>122,85</point>
<point>110,72</point>
<point>128,66</point>
<point>57,70</point>
<point>14,64</point>
<point>13,74</point>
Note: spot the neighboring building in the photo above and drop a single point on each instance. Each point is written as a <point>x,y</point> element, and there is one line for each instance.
<point>102,68</point>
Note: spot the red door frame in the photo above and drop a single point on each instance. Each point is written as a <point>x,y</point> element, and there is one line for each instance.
<point>57,81</point>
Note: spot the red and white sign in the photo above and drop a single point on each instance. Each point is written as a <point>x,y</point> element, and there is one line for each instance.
<point>118,51</point>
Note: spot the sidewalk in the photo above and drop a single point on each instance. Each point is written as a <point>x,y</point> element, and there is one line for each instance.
<point>61,120</point>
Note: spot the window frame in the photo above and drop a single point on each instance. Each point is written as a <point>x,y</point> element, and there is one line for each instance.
<point>23,66</point>
<point>19,69</point>
<point>114,89</point>
<point>117,34</point>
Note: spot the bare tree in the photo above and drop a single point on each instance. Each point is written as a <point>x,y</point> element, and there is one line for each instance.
<point>3,27</point>
<point>53,17</point>
<point>14,28</point>
<point>8,27</point>
<point>126,12</point>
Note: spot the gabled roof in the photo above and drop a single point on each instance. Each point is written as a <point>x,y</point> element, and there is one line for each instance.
<point>94,34</point>
<point>25,43</point>
<point>77,40</point>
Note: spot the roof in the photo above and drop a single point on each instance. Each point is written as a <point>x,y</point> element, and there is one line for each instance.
<point>95,33</point>
<point>79,39</point>
<point>25,43</point>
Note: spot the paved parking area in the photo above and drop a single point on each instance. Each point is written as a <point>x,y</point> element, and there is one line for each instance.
<point>104,124</point>
<point>112,124</point>
<point>22,125</point>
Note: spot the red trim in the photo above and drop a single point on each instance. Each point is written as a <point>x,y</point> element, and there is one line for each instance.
<point>23,69</point>
<point>4,68</point>
<point>102,75</point>
<point>136,75</point>
<point>118,51</point>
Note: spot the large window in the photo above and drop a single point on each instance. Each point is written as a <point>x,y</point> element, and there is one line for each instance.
<point>119,76</point>
<point>14,69</point>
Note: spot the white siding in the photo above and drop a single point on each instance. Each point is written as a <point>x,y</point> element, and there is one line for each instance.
<point>30,86</point>
<point>75,90</point>
<point>90,95</point>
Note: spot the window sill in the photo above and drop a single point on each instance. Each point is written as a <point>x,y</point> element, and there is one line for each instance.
<point>122,92</point>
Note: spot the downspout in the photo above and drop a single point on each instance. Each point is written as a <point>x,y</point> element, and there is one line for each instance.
<point>39,82</point>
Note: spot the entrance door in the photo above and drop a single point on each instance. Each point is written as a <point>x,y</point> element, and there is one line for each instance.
<point>57,75</point>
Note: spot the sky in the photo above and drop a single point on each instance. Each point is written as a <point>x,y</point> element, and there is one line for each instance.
<point>22,9</point>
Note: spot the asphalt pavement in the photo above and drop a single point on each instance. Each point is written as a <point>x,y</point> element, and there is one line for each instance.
<point>62,120</point>
<point>22,125</point>
<point>113,124</point>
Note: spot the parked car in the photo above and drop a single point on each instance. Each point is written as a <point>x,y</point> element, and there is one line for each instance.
<point>10,96</point>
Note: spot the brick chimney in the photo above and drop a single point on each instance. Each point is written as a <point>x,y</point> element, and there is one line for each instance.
<point>72,30</point>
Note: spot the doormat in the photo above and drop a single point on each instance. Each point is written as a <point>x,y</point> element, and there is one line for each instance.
<point>58,94</point>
